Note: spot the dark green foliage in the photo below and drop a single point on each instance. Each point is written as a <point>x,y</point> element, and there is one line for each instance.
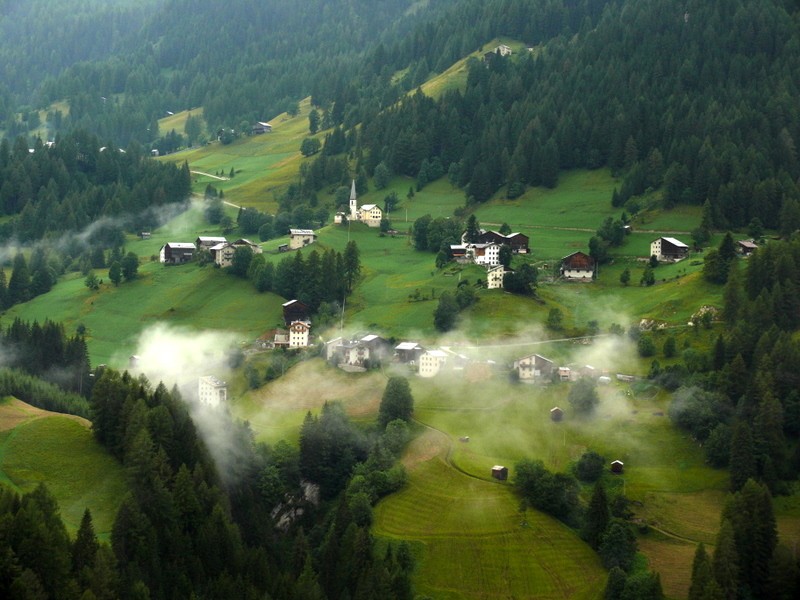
<point>555,319</point>
<point>702,574</point>
<point>590,466</point>
<point>446,313</point>
<point>615,585</point>
<point>718,446</point>
<point>618,547</point>
<point>597,517</point>
<point>742,461</point>
<point>130,266</point>
<point>646,346</point>
<point>583,396</point>
<point>115,273</point>
<point>751,515</point>
<point>726,560</point>
<point>698,411</point>
<point>396,402</point>
<point>329,449</point>
<point>625,277</point>
<point>553,493</point>
<point>523,281</point>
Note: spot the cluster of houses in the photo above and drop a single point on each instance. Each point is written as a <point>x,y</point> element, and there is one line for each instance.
<point>369,214</point>
<point>222,251</point>
<point>485,251</point>
<point>535,368</point>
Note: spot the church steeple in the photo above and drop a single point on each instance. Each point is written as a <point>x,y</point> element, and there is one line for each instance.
<point>353,202</point>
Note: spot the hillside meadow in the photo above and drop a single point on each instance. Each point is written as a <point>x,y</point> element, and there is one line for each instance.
<point>38,446</point>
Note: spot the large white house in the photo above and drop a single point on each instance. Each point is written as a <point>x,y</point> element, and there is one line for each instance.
<point>223,253</point>
<point>431,362</point>
<point>299,334</point>
<point>668,248</point>
<point>534,367</point>
<point>495,276</point>
<point>212,391</point>
<point>299,238</point>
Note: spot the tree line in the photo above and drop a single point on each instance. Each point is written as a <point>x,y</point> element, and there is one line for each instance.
<point>77,182</point>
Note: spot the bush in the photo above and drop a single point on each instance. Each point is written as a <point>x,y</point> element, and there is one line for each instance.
<point>589,466</point>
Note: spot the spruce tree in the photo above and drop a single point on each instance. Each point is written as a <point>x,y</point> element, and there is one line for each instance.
<point>742,461</point>
<point>701,574</point>
<point>597,516</point>
<point>726,560</point>
<point>20,283</point>
<point>396,402</point>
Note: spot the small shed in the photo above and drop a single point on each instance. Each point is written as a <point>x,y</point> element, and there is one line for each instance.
<point>283,248</point>
<point>500,472</point>
<point>604,379</point>
<point>556,414</point>
<point>617,466</point>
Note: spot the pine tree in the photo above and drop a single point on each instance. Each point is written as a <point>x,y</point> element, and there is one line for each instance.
<point>20,283</point>
<point>701,574</point>
<point>84,549</point>
<point>755,533</point>
<point>597,516</point>
<point>742,463</point>
<point>396,402</point>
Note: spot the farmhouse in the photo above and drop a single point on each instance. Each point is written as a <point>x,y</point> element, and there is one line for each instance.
<point>534,367</point>
<point>357,352</point>
<point>298,238</point>
<point>261,127</point>
<point>667,248</point>
<point>339,218</point>
<point>746,247</point>
<point>431,362</point>
<point>577,266</point>
<point>299,334</point>
<point>211,391</point>
<point>294,310</point>
<point>176,253</point>
<point>209,241</point>
<point>495,277</point>
<point>518,242</point>
<point>487,255</point>
<point>408,352</point>
<point>223,253</point>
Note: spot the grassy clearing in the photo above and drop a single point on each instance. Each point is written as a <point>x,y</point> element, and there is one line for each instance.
<point>475,543</point>
<point>263,164</point>
<point>38,446</point>
<point>277,409</point>
<point>177,121</point>
<point>187,296</point>
<point>671,559</point>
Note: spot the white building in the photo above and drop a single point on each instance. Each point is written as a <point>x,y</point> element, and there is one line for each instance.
<point>431,362</point>
<point>668,248</point>
<point>223,253</point>
<point>299,238</point>
<point>495,276</point>
<point>370,214</point>
<point>212,391</point>
<point>534,367</point>
<point>487,255</point>
<point>299,334</point>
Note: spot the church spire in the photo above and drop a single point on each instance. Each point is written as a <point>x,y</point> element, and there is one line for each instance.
<point>353,202</point>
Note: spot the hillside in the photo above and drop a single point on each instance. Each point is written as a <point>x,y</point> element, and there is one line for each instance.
<point>39,446</point>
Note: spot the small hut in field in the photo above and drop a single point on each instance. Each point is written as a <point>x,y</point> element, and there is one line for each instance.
<point>617,467</point>
<point>556,414</point>
<point>500,472</point>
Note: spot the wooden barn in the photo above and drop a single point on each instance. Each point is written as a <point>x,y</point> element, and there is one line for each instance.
<point>500,472</point>
<point>617,466</point>
<point>556,414</point>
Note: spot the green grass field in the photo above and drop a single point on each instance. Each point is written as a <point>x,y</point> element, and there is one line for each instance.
<point>38,446</point>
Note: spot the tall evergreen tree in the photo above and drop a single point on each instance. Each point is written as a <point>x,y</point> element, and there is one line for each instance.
<point>742,463</point>
<point>396,402</point>
<point>19,286</point>
<point>597,516</point>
